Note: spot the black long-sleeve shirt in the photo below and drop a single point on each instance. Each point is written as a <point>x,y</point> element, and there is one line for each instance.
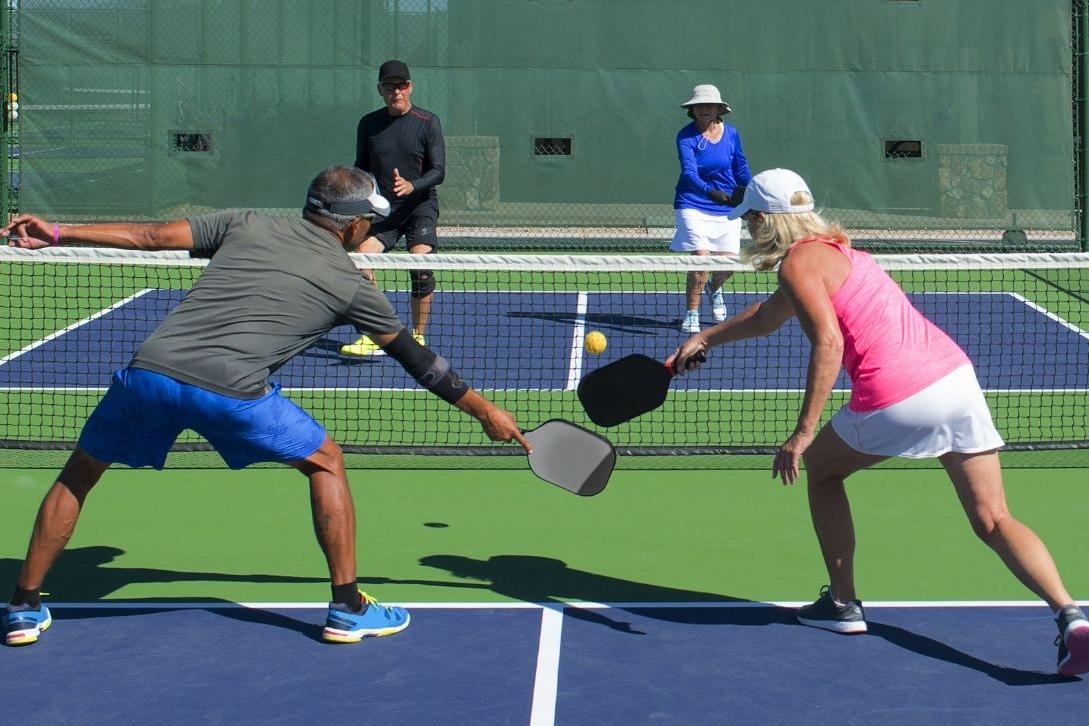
<point>412,144</point>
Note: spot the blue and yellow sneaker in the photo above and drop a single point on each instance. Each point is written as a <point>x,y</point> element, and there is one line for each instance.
<point>361,348</point>
<point>23,624</point>
<point>376,620</point>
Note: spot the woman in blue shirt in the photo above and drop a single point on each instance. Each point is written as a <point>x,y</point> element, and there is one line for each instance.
<point>713,165</point>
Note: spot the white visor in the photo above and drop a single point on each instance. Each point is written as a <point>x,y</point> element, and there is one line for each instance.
<point>379,203</point>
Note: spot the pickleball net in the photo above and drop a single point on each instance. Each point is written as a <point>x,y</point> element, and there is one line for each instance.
<point>514,326</point>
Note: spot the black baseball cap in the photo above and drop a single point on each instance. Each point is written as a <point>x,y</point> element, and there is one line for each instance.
<point>393,69</point>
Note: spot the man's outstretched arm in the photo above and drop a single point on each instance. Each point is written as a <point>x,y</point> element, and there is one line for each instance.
<point>30,232</point>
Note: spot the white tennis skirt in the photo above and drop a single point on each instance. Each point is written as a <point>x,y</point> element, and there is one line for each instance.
<point>698,230</point>
<point>948,415</point>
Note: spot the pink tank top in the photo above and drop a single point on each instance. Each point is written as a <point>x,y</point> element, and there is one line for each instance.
<point>890,351</point>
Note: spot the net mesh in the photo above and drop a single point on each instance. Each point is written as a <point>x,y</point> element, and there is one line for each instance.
<point>515,326</point>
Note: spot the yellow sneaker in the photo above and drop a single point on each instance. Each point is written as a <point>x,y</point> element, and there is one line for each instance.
<point>419,338</point>
<point>361,348</point>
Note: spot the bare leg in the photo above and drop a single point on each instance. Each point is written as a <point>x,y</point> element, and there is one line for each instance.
<point>57,516</point>
<point>371,245</point>
<point>719,277</point>
<point>332,509</point>
<point>421,306</point>
<point>363,346</point>
<point>828,461</point>
<point>978,481</point>
<point>694,283</point>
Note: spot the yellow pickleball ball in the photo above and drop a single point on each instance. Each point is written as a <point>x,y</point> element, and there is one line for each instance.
<point>595,342</point>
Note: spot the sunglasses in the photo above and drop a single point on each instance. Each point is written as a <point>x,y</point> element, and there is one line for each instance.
<point>391,87</point>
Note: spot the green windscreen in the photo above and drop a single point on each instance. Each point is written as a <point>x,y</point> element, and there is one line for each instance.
<point>916,123</point>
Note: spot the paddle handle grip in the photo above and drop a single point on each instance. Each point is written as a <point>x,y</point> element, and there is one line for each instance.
<point>700,357</point>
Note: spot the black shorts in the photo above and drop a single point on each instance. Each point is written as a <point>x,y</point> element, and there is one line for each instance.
<point>416,223</point>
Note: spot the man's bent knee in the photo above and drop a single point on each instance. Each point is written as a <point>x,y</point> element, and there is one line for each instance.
<point>81,472</point>
<point>329,457</point>
<point>423,282</point>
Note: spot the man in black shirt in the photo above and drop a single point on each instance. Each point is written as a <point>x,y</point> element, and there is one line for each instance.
<point>402,146</point>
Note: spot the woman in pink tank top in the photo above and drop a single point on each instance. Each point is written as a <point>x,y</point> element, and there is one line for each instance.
<point>913,393</point>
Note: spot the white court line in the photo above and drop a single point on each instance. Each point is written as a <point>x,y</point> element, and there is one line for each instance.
<point>1050,315</point>
<point>220,605</point>
<point>578,338</point>
<point>546,681</point>
<point>73,326</point>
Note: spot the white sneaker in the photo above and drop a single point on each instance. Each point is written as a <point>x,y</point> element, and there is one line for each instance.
<point>691,322</point>
<point>718,305</point>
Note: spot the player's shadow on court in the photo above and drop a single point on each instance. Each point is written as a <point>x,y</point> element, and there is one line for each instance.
<point>938,650</point>
<point>549,581</point>
<point>84,575</point>
<point>603,321</point>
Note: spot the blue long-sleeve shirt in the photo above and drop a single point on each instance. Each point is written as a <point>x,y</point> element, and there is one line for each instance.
<point>706,166</point>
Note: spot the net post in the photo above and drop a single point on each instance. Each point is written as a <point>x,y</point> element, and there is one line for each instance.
<point>5,91</point>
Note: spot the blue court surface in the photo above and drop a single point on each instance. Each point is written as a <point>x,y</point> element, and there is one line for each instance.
<point>1014,344</point>
<point>715,663</point>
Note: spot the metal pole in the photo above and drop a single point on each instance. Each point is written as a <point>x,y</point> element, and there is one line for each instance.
<point>5,74</point>
<point>1081,47</point>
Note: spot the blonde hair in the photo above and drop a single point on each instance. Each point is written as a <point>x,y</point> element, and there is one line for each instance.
<point>773,238</point>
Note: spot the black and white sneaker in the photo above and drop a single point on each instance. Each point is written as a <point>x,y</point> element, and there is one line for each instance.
<point>828,614</point>
<point>1073,641</point>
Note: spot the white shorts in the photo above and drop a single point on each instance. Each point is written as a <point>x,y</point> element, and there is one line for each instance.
<point>698,230</point>
<point>948,415</point>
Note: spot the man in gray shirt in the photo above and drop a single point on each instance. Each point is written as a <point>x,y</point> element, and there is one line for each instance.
<point>272,287</point>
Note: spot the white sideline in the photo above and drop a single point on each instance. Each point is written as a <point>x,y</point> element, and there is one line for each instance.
<point>73,326</point>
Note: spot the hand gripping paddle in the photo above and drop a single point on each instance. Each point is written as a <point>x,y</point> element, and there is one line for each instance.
<point>571,457</point>
<point>626,388</point>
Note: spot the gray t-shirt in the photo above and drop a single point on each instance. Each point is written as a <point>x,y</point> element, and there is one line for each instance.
<point>274,286</point>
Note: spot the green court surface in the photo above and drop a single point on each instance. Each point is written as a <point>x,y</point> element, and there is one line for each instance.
<point>498,536</point>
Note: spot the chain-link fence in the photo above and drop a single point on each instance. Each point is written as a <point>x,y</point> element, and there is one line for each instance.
<point>918,125</point>
<point>9,124</point>
<point>1079,95</point>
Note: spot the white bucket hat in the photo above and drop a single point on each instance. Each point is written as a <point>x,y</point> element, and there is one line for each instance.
<point>771,191</point>
<point>706,93</point>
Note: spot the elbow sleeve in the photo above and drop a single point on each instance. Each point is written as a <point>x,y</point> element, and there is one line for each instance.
<point>430,370</point>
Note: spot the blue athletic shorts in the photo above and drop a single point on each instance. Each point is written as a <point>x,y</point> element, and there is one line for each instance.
<point>143,412</point>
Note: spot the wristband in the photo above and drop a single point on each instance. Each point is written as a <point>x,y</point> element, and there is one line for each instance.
<point>56,235</point>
